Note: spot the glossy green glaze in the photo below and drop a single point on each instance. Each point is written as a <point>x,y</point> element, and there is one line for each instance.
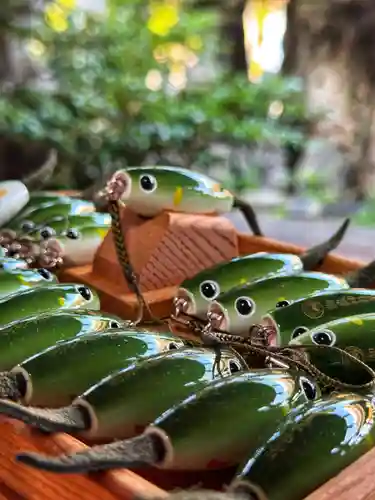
<point>26,337</point>
<point>150,190</point>
<point>61,226</point>
<point>354,334</point>
<point>47,299</point>
<point>242,307</point>
<point>15,281</point>
<point>62,372</point>
<point>42,213</point>
<point>123,404</point>
<point>302,315</point>
<point>218,426</point>
<point>40,197</point>
<point>195,294</point>
<point>313,445</point>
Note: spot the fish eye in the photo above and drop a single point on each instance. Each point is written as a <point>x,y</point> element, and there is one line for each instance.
<point>47,232</point>
<point>298,331</point>
<point>244,306</point>
<point>283,303</point>
<point>72,234</point>
<point>325,337</point>
<point>44,273</point>
<point>308,388</point>
<point>209,289</point>
<point>234,366</point>
<point>85,292</point>
<point>114,324</point>
<point>27,225</point>
<point>172,345</point>
<point>148,183</point>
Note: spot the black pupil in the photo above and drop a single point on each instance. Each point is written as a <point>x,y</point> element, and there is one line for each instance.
<point>114,324</point>
<point>233,367</point>
<point>298,331</point>
<point>85,292</point>
<point>208,290</point>
<point>309,389</point>
<point>72,234</point>
<point>244,307</point>
<point>282,303</point>
<point>172,345</point>
<point>27,226</point>
<point>46,232</point>
<point>322,338</point>
<point>147,183</point>
<point>44,273</point>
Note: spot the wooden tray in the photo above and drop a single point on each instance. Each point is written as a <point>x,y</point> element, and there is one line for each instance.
<point>18,481</point>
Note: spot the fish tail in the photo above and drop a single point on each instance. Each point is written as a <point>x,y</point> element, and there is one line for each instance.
<point>249,214</point>
<point>363,278</point>
<point>69,419</point>
<point>315,256</point>
<point>13,386</point>
<point>132,453</point>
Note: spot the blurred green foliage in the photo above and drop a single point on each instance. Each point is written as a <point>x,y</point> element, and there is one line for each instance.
<point>100,111</point>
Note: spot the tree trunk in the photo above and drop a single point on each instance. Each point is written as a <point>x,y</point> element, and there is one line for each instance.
<point>233,32</point>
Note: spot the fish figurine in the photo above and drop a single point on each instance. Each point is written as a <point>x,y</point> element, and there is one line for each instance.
<point>287,323</point>
<point>26,337</point>
<point>149,191</point>
<point>195,294</point>
<point>15,281</point>
<point>214,428</point>
<point>38,198</point>
<point>326,436</point>
<point>239,309</point>
<point>27,220</point>
<point>47,299</point>
<point>76,248</point>
<point>68,225</point>
<point>14,195</point>
<point>353,334</point>
<point>55,376</point>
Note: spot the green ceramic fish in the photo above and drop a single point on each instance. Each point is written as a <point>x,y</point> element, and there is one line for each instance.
<point>212,429</point>
<point>55,376</point>
<point>26,337</point>
<point>123,403</point>
<point>12,281</point>
<point>69,225</point>
<point>325,437</point>
<point>38,198</point>
<point>10,264</point>
<point>47,299</point>
<point>76,248</point>
<point>242,307</point>
<point>195,294</point>
<point>150,190</point>
<point>287,323</point>
<point>354,334</point>
<point>28,219</point>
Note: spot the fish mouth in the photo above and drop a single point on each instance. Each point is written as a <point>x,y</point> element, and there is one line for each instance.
<point>184,303</point>
<point>271,325</point>
<point>118,187</point>
<point>7,237</point>
<point>51,254</point>
<point>217,317</point>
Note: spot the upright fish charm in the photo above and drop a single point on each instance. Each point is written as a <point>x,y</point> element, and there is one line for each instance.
<point>47,299</point>
<point>297,318</point>
<point>148,191</point>
<point>15,281</point>
<point>25,337</point>
<point>215,428</point>
<point>55,376</point>
<point>195,294</point>
<point>326,436</point>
